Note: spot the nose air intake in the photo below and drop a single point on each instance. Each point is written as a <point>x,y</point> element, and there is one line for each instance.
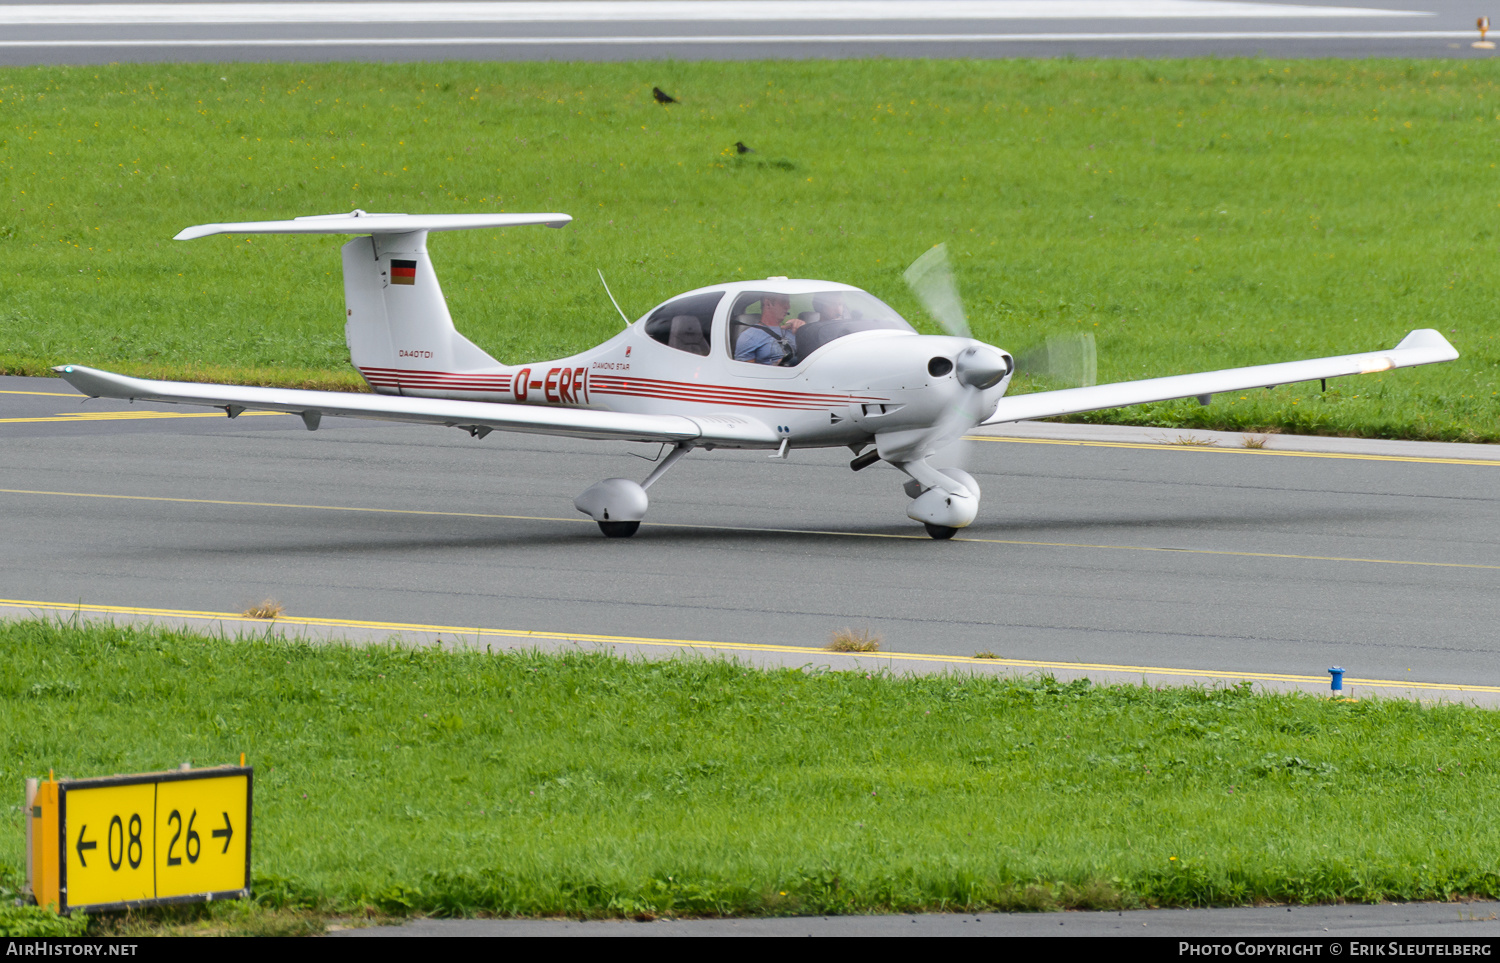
<point>980,366</point>
<point>938,367</point>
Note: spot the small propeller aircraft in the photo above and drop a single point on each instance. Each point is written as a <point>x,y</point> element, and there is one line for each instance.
<point>774,364</point>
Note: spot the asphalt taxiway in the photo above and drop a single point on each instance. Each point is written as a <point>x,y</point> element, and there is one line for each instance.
<point>1123,558</point>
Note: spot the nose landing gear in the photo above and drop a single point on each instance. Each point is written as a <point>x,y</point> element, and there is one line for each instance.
<point>943,499</point>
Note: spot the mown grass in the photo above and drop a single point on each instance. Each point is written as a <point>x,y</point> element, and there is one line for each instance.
<point>392,781</point>
<point>1194,214</point>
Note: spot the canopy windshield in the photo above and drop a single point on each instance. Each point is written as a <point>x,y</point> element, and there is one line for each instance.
<point>783,329</point>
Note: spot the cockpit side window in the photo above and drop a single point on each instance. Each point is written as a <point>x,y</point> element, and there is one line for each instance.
<point>686,323</point>
<point>756,328</point>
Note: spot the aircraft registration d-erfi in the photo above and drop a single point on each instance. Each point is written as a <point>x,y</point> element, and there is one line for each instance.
<point>775,364</point>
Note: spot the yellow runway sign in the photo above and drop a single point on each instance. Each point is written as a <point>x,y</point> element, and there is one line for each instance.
<point>124,841</point>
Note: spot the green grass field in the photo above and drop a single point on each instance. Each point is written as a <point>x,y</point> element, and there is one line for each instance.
<point>396,781</point>
<point>1192,214</point>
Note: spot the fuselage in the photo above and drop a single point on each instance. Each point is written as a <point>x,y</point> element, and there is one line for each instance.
<point>851,379</point>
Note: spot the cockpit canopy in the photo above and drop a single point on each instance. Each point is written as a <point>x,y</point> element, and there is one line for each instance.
<point>803,323</point>
<point>771,327</point>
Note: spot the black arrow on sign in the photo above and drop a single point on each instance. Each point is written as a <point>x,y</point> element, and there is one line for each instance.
<point>227,832</point>
<point>83,845</point>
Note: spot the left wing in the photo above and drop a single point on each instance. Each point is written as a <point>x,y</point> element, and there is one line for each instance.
<point>1424,346</point>
<point>722,430</point>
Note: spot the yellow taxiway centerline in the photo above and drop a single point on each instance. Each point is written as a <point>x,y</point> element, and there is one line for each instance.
<point>49,394</point>
<point>1168,446</point>
<point>470,631</point>
<point>320,508</point>
<point>775,531</point>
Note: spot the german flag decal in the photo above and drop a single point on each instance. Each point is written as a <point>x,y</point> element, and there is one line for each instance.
<point>403,272</point>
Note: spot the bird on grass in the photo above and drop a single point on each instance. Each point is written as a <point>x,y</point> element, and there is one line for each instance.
<point>740,148</point>
<point>662,97</point>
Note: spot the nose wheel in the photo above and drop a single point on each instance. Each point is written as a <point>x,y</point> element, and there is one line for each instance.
<point>942,499</point>
<point>627,529</point>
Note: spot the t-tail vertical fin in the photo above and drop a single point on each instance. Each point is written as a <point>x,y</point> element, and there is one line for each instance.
<point>400,334</point>
<point>397,325</point>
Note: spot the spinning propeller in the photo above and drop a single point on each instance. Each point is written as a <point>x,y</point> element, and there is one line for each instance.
<point>978,367</point>
<point>1067,359</point>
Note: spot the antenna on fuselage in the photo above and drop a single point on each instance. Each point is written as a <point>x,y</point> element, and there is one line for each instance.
<point>612,298</point>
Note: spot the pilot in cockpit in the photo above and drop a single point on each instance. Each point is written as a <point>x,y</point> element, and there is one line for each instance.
<point>774,337</point>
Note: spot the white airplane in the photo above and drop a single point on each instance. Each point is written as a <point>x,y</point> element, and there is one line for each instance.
<point>774,364</point>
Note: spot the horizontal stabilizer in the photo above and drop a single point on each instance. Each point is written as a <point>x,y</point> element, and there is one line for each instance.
<point>1424,346</point>
<point>719,430</point>
<point>358,222</point>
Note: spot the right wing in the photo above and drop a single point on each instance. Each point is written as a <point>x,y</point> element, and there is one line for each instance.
<point>1424,346</point>
<point>725,430</point>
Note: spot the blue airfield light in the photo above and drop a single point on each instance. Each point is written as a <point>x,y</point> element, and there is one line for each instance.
<point>1338,678</point>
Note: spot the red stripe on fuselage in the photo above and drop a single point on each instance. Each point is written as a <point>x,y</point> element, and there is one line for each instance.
<point>436,380</point>
<point>696,393</point>
<point>721,394</point>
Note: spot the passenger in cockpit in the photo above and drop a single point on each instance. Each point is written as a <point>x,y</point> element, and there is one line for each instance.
<point>830,306</point>
<point>774,338</point>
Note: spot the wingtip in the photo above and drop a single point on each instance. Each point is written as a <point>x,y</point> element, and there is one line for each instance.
<point>1428,338</point>
<point>77,376</point>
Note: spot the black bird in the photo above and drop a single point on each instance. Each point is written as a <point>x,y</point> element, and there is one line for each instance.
<point>740,148</point>
<point>662,97</point>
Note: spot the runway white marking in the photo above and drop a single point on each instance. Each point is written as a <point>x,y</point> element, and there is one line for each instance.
<point>677,11</point>
<point>753,39</point>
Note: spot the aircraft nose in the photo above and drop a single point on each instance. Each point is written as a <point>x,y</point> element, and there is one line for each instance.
<point>981,366</point>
